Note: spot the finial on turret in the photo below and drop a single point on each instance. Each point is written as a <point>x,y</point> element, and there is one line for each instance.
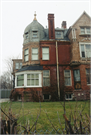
<point>35,16</point>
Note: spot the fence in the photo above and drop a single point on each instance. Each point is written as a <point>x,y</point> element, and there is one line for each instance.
<point>5,93</point>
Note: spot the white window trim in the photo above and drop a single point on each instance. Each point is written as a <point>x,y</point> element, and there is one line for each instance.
<point>25,78</point>
<point>83,43</point>
<point>38,53</point>
<point>70,78</point>
<point>69,98</point>
<point>42,53</point>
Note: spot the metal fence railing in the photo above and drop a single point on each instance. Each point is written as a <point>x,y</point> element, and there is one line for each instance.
<point>5,93</point>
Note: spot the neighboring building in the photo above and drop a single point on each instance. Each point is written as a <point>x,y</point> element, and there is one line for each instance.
<point>55,60</point>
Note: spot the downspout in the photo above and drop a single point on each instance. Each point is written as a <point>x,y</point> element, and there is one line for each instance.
<point>57,70</point>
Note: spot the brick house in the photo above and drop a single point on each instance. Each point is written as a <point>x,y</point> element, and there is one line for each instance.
<point>55,61</point>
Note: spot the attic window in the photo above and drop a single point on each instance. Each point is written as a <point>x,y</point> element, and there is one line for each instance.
<point>35,34</point>
<point>26,35</point>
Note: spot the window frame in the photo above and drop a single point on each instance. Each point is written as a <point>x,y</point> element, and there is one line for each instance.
<point>89,75</point>
<point>83,43</point>
<point>45,53</point>
<point>25,78</point>
<point>19,65</point>
<point>35,53</point>
<point>33,79</point>
<point>68,77</point>
<point>36,34</point>
<point>68,96</point>
<point>26,35</point>
<point>85,30</point>
<point>75,82</point>
<point>47,78</point>
<point>25,55</point>
<point>61,34</point>
<point>20,80</point>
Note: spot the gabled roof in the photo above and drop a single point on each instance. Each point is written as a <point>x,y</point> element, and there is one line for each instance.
<point>76,21</point>
<point>81,16</point>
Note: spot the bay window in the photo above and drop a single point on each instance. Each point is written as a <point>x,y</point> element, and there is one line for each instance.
<point>26,53</point>
<point>32,79</point>
<point>34,53</point>
<point>85,50</point>
<point>67,77</point>
<point>45,53</point>
<point>28,79</point>
<point>20,80</point>
<point>46,78</point>
<point>88,75</point>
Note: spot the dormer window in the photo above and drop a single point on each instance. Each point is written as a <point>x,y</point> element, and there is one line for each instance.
<point>59,35</point>
<point>26,35</point>
<point>35,34</point>
<point>85,30</point>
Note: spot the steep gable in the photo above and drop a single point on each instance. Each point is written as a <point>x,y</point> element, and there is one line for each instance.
<point>84,20</point>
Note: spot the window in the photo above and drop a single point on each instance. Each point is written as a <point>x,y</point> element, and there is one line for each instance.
<point>35,34</point>
<point>20,65</point>
<point>45,53</point>
<point>20,80</point>
<point>73,33</point>
<point>88,75</point>
<point>34,53</point>
<point>46,78</point>
<point>46,96</point>
<point>67,77</point>
<point>26,35</point>
<point>16,65</point>
<point>68,96</point>
<point>85,50</point>
<point>26,52</point>
<point>59,34</point>
<point>77,82</point>
<point>85,30</point>
<point>32,79</point>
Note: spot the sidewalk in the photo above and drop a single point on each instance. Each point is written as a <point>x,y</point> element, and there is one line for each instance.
<point>4,100</point>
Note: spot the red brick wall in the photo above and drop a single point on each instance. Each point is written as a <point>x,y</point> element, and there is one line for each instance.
<point>63,53</point>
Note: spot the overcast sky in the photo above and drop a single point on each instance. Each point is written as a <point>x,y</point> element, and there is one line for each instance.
<point>16,15</point>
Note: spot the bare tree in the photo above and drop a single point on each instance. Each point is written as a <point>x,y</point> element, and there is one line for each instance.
<point>9,68</point>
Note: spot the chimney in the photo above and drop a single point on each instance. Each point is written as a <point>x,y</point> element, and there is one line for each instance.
<point>51,26</point>
<point>64,24</point>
